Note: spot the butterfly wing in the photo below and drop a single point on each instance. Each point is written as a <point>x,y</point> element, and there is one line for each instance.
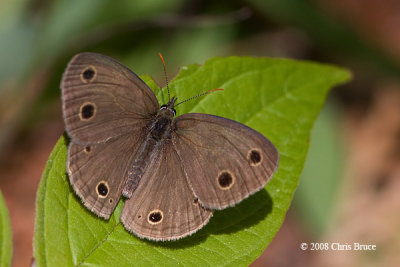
<point>163,207</point>
<point>103,99</point>
<point>106,109</point>
<point>97,172</point>
<point>224,161</point>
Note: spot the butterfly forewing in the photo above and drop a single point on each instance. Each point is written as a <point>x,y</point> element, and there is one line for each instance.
<point>103,99</point>
<point>224,161</point>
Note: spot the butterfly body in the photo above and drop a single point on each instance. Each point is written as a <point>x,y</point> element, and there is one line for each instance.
<point>173,171</point>
<point>158,131</point>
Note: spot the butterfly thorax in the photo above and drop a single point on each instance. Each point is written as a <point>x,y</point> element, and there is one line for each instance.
<point>160,126</point>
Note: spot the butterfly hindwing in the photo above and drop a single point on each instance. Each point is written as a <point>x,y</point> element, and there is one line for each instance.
<point>164,207</point>
<point>98,172</point>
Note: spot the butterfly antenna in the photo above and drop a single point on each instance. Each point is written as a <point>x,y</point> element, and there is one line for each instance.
<point>213,90</point>
<point>165,74</point>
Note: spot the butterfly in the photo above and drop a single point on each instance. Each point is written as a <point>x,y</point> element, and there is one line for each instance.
<point>173,171</point>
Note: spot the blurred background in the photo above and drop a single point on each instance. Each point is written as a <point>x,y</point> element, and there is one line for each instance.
<point>348,191</point>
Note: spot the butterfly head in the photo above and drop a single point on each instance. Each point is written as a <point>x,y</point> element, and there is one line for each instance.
<point>168,108</point>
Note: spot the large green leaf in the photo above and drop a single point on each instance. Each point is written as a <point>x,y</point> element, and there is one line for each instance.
<point>280,98</point>
<point>5,235</point>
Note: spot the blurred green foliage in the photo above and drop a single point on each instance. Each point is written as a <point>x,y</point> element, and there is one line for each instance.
<point>5,234</point>
<point>317,192</point>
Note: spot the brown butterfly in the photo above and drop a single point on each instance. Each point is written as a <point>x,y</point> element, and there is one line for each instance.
<point>173,171</point>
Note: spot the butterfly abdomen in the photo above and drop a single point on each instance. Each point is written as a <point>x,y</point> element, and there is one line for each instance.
<point>160,128</point>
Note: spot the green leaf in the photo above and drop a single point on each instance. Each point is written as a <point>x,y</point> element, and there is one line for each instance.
<point>5,235</point>
<point>279,98</point>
